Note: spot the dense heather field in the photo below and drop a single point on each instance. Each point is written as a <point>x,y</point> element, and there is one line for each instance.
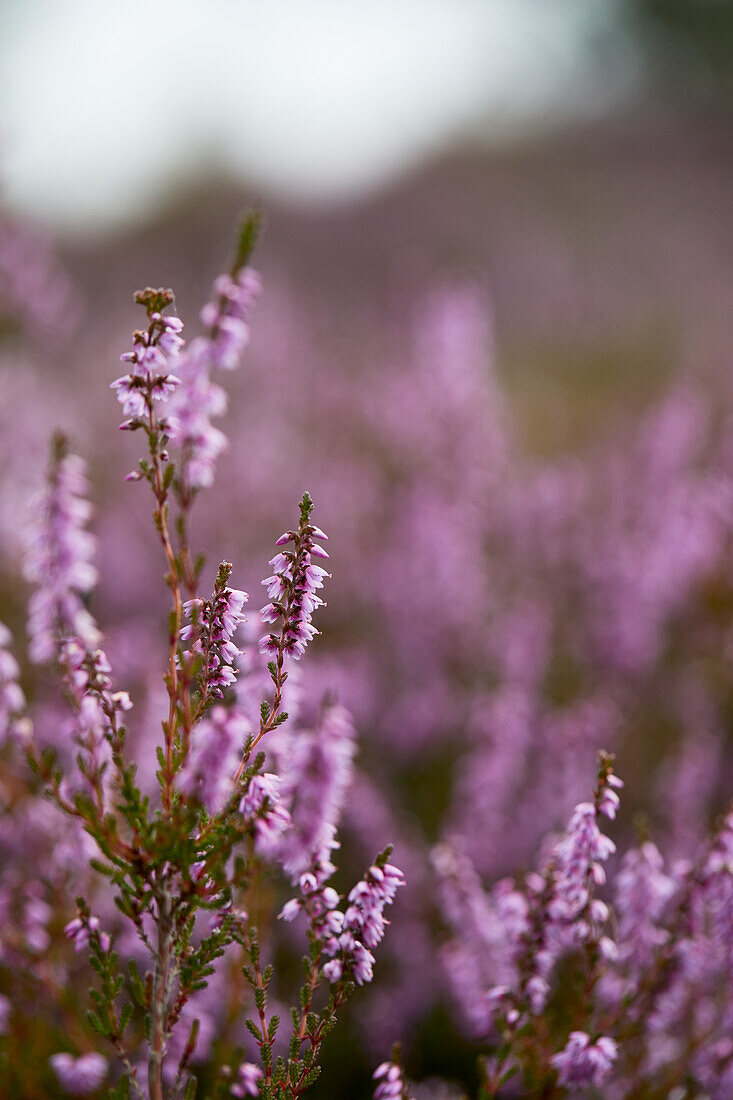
<point>516,429</point>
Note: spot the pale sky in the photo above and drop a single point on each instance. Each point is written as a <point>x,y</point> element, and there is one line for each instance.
<point>103,106</point>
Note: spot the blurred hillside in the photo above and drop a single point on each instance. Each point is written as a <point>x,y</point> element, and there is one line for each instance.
<point>607,254</point>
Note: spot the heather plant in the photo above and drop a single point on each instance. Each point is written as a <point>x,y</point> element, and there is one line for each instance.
<point>495,615</point>
<point>628,996</point>
<point>186,865</point>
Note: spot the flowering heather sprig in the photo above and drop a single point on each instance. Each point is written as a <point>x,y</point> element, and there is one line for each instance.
<point>338,955</point>
<point>293,588</point>
<point>347,937</point>
<point>97,714</point>
<point>59,560</point>
<point>208,773</point>
<point>209,633</point>
<point>391,1080</point>
<point>573,917</point>
<point>520,931</point>
<point>317,769</point>
<point>149,379</point>
<point>262,809</point>
<point>84,927</point>
<point>227,316</point>
<point>199,398</point>
<point>580,857</point>
<point>13,721</point>
<point>677,1019</point>
<point>578,867</point>
<point>642,891</point>
<point>489,930</point>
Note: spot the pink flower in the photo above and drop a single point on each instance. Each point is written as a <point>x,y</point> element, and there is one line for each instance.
<point>583,1062</point>
<point>81,1075</point>
<point>247,1082</point>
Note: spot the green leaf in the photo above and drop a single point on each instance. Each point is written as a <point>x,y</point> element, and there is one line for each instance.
<point>249,232</point>
<point>94,1021</point>
<point>124,1020</point>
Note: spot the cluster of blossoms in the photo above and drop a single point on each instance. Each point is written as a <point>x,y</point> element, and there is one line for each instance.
<point>364,920</point>
<point>293,591</point>
<point>226,319</point>
<point>59,560</point>
<point>579,866</point>
<point>316,768</point>
<point>13,722</point>
<point>212,626</point>
<point>346,937</point>
<point>262,808</point>
<point>584,1061</point>
<point>218,744</point>
<point>391,1082</point>
<point>520,932</point>
<point>150,379</point>
<point>648,1006</point>
<point>84,926</point>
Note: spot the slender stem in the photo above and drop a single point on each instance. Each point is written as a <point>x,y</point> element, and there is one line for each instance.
<point>159,1004</point>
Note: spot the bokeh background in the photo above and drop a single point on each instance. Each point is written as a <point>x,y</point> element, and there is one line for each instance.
<point>495,344</point>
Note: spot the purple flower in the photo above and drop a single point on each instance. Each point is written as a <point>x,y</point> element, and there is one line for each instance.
<point>247,1082</point>
<point>81,1075</point>
<point>583,1062</point>
<point>363,923</point>
<point>85,927</point>
<point>642,891</point>
<point>210,629</point>
<point>262,808</point>
<point>316,772</point>
<point>59,561</point>
<point>391,1082</point>
<point>581,854</point>
<point>489,928</point>
<point>292,589</point>
<point>199,398</point>
<point>227,315</point>
<point>13,723</point>
<point>149,378</point>
<point>216,750</point>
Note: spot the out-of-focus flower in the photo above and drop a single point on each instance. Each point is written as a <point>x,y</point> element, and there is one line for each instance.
<point>584,1061</point>
<point>81,1075</point>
